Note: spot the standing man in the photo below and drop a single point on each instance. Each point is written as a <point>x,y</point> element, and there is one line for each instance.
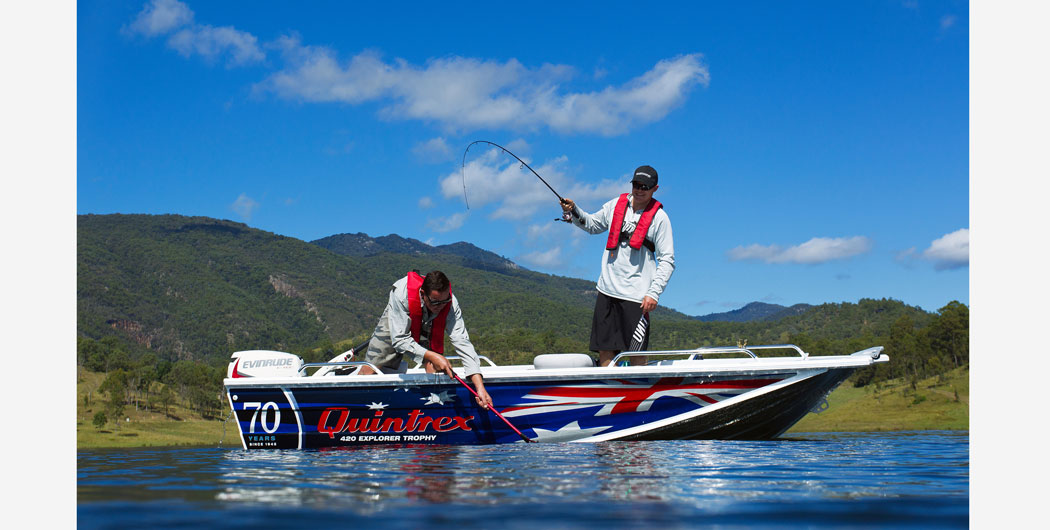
<point>636,265</point>
<point>413,326</point>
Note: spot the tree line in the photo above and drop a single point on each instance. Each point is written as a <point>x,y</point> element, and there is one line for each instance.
<point>920,345</point>
<point>919,352</point>
<point>146,382</point>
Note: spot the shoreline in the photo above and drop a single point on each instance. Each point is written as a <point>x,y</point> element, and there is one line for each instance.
<point>936,404</point>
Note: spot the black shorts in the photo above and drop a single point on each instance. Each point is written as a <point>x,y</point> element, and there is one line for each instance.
<point>617,324</point>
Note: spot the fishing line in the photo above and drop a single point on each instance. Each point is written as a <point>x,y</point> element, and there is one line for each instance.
<point>463,174</point>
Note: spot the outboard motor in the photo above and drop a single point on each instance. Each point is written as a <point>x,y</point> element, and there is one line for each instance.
<point>264,363</point>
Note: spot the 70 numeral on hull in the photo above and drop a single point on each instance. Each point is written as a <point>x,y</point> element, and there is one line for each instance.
<point>257,406</point>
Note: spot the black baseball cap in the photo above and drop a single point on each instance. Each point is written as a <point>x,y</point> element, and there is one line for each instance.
<point>645,175</point>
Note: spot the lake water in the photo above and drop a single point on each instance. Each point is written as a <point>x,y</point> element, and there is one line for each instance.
<point>840,480</point>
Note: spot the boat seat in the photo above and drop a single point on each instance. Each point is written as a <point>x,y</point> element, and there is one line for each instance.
<point>562,360</point>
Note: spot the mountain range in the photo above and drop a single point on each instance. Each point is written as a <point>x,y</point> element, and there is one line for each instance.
<point>200,288</point>
<point>756,311</point>
<point>362,245</point>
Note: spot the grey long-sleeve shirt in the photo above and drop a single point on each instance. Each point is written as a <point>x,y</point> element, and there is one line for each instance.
<point>627,273</point>
<point>393,333</point>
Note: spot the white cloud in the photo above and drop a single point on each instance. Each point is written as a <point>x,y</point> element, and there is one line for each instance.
<point>551,258</point>
<point>433,150</point>
<point>426,202</point>
<point>244,206</point>
<point>161,16</point>
<point>816,250</point>
<point>951,251</point>
<point>947,21</point>
<point>550,245</point>
<point>240,48</point>
<point>469,93</point>
<point>495,177</point>
<point>457,93</point>
<point>447,224</point>
<point>615,110</point>
<point>540,233</point>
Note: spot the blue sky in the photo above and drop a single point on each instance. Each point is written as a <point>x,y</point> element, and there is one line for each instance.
<point>808,152</point>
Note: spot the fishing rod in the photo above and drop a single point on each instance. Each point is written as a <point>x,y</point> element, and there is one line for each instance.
<point>565,216</point>
<point>494,411</point>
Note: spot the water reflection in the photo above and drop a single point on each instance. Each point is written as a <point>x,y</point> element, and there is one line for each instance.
<point>701,475</point>
<point>631,472</point>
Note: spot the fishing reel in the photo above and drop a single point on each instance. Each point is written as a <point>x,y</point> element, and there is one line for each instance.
<point>567,217</point>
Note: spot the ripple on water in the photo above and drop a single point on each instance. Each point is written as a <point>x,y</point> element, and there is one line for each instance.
<point>850,479</point>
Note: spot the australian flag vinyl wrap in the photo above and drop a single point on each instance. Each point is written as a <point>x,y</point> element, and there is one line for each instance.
<point>446,413</point>
<point>570,412</point>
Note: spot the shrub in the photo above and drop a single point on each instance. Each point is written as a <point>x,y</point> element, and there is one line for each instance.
<point>99,421</point>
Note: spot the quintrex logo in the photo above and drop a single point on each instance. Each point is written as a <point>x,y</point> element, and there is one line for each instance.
<point>333,424</point>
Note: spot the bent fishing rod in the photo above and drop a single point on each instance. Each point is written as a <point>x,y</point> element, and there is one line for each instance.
<point>494,411</point>
<point>565,217</point>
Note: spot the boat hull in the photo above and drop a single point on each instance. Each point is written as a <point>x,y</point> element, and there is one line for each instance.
<point>761,417</point>
<point>646,403</point>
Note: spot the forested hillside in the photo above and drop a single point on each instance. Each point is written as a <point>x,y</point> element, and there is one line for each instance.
<point>169,298</point>
<point>201,288</point>
<point>362,245</point>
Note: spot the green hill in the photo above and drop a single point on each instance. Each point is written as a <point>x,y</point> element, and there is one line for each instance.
<point>162,301</point>
<point>362,245</point>
<point>197,288</point>
<point>201,288</point>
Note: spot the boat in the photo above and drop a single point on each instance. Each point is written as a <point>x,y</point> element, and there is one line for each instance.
<point>724,393</point>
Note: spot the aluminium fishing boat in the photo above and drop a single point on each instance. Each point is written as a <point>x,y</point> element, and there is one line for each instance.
<point>678,394</point>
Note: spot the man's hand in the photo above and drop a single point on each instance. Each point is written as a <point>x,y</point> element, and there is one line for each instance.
<point>439,362</point>
<point>567,205</point>
<point>648,304</point>
<point>483,399</point>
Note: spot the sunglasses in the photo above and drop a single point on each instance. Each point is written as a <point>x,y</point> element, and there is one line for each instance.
<point>438,303</point>
<point>642,187</point>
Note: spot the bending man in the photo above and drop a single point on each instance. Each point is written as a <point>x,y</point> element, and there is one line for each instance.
<point>413,326</point>
<point>636,265</point>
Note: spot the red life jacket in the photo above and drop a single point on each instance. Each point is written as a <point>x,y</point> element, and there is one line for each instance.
<point>638,237</point>
<point>415,313</point>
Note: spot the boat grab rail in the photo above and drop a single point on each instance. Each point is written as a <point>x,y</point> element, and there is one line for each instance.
<point>458,358</point>
<point>698,353</point>
<point>302,369</point>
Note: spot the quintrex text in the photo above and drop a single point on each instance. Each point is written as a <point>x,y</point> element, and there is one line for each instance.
<point>416,422</point>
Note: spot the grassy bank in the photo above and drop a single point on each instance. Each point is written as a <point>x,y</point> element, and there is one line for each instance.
<point>939,403</point>
<point>138,427</point>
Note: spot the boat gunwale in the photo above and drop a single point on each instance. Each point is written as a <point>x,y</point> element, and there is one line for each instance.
<point>527,373</point>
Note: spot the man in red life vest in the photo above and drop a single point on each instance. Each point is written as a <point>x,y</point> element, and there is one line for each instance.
<point>419,311</point>
<point>637,263</point>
